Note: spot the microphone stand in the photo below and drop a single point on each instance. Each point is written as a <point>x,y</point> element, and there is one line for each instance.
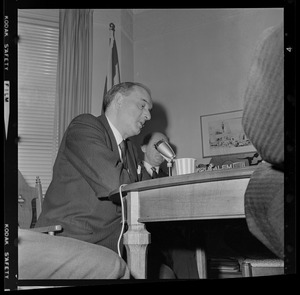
<point>169,165</point>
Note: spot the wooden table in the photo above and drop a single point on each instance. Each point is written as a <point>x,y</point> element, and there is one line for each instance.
<point>214,194</point>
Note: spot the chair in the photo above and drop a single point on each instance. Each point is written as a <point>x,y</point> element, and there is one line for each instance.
<point>262,267</point>
<point>30,201</point>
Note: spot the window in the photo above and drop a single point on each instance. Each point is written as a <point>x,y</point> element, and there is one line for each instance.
<point>37,63</point>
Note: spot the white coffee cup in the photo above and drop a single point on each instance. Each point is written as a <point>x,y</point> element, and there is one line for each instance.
<point>185,165</point>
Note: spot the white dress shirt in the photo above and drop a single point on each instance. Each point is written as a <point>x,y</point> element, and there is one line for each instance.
<point>148,167</point>
<point>117,135</point>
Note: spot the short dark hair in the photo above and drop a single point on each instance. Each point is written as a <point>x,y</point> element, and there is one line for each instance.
<point>124,88</point>
<point>146,139</point>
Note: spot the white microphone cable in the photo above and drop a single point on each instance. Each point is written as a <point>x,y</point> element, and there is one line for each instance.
<point>123,218</point>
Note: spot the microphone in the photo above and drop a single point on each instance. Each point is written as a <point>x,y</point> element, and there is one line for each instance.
<point>165,150</point>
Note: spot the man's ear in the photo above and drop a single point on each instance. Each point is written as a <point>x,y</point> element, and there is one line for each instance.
<point>143,148</point>
<point>118,100</point>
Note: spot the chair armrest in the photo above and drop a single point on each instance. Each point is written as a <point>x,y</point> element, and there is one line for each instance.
<point>48,229</point>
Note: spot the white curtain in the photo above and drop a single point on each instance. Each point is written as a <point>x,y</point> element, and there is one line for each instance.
<point>74,70</point>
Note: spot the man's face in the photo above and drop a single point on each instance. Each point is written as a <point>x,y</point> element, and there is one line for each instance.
<point>151,155</point>
<point>134,112</point>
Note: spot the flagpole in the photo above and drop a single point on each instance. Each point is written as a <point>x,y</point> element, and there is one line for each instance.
<point>112,27</point>
<point>113,71</point>
<point>110,77</point>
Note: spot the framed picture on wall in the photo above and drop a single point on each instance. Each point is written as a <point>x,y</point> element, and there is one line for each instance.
<point>223,134</point>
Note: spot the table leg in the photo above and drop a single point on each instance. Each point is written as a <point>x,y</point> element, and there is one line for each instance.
<point>201,263</point>
<point>136,239</point>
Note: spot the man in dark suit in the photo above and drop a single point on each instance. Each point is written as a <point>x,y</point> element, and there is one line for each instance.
<point>169,254</point>
<point>150,166</point>
<point>89,165</point>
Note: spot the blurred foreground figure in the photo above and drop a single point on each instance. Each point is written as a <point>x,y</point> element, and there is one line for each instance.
<point>263,123</point>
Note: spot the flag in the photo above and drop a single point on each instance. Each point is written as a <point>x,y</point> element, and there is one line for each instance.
<point>113,71</point>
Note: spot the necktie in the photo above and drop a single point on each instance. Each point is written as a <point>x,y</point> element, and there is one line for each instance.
<point>123,154</point>
<point>154,173</point>
<point>127,161</point>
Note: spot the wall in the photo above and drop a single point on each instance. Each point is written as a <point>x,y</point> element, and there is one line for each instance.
<point>195,62</point>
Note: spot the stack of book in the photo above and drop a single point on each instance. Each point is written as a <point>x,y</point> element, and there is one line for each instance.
<point>222,268</point>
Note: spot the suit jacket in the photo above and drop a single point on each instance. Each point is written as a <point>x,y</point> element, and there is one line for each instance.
<point>145,175</point>
<point>88,166</point>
